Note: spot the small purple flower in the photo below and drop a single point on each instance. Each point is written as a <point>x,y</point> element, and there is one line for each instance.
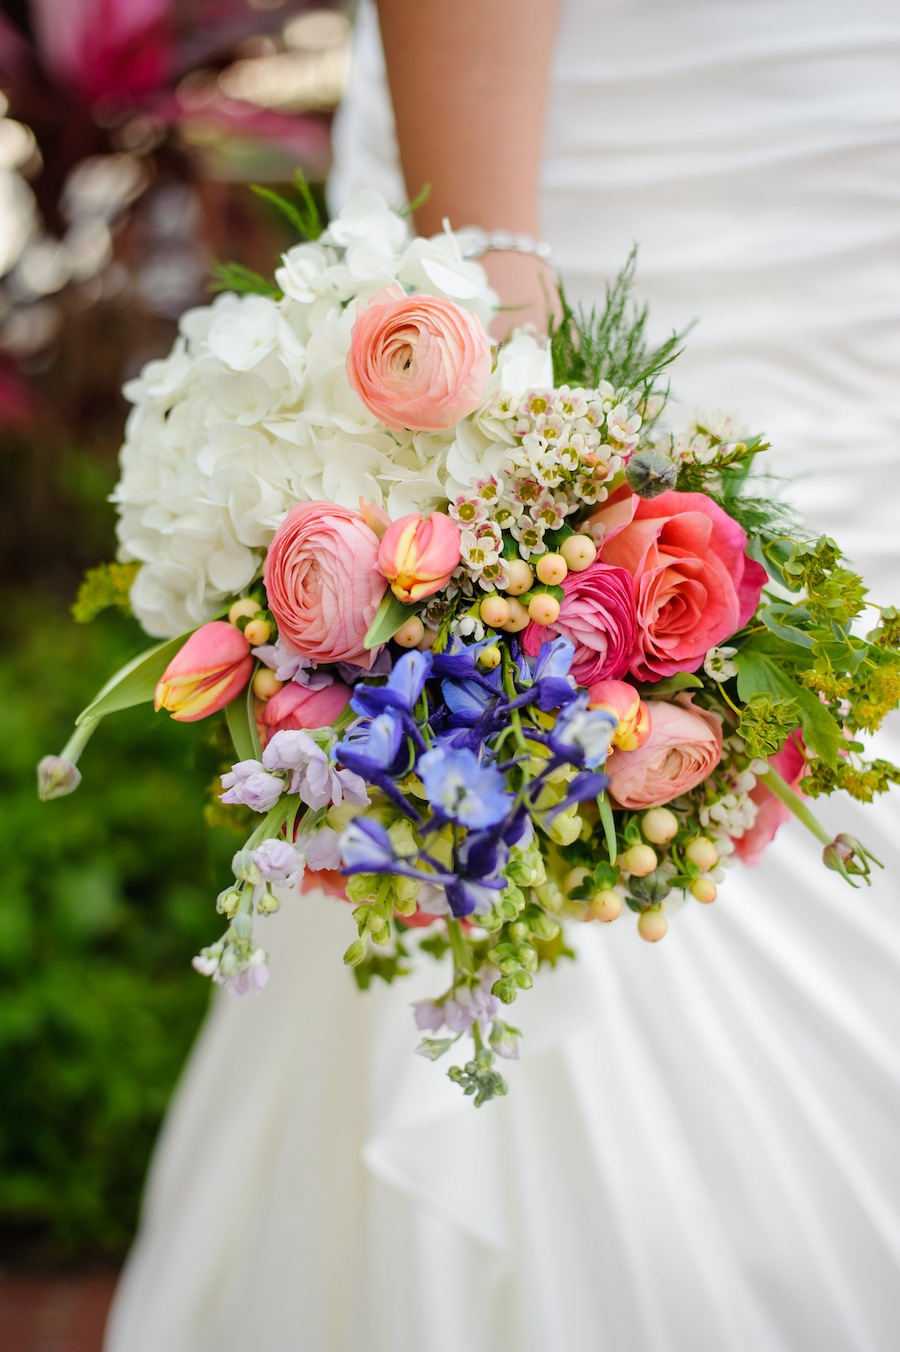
<point>472,1004</point>
<point>247,782</point>
<point>581,735</point>
<point>429,1015</point>
<point>320,848</point>
<point>278,862</point>
<point>290,666</point>
<point>402,690</point>
<point>314,777</point>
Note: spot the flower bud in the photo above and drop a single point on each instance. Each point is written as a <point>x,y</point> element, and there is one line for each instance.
<point>245,868</point>
<point>651,888</point>
<point>57,777</point>
<point>650,472</point>
<point>209,672</point>
<point>542,927</point>
<point>355,953</point>
<point>848,857</point>
<point>418,553</point>
<point>623,701</point>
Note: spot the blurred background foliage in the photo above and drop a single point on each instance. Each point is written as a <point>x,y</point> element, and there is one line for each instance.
<point>128,135</point>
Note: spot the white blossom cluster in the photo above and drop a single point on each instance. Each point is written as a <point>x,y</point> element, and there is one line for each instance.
<point>554,453</point>
<point>253,411</point>
<point>706,439</point>
<point>726,809</point>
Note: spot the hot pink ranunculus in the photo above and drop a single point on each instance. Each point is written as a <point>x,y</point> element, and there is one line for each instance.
<point>684,747</point>
<point>296,707</point>
<point>597,613</point>
<point>323,582</point>
<point>208,672</point>
<point>418,553</point>
<point>790,763</point>
<point>694,583</point>
<point>418,362</point>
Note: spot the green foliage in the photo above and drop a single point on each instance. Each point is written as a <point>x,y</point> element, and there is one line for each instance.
<point>246,282</point>
<point>105,897</point>
<point>766,722</point>
<point>304,215</point>
<point>105,586</point>
<point>588,346</point>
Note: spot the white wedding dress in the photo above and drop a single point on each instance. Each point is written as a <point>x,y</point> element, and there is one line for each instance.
<point>700,1151</point>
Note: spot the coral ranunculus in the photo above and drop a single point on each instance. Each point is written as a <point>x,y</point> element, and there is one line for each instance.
<point>208,672</point>
<point>418,553</point>
<point>598,615</point>
<point>418,362</point>
<point>790,762</point>
<point>694,583</point>
<point>323,582</point>
<point>684,747</point>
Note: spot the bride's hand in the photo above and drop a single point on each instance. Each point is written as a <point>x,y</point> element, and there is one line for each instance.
<point>526,286</point>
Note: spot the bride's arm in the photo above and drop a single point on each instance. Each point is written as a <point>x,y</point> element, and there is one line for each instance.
<point>469,82</point>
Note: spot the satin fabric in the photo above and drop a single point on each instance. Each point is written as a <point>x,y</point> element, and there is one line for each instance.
<point>700,1146</point>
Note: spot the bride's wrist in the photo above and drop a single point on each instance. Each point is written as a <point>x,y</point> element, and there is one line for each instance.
<point>527,288</point>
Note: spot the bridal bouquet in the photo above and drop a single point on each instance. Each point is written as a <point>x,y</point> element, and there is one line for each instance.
<point>498,650</point>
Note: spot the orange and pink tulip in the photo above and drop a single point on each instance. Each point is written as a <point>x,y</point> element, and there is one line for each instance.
<point>209,672</point>
<point>622,700</point>
<point>418,553</point>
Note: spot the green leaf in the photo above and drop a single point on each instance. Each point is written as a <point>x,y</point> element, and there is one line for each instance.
<point>772,617</point>
<point>136,682</point>
<point>242,725</point>
<point>235,277</point>
<point>682,680</point>
<point>608,823</point>
<point>759,673</point>
<point>390,616</point>
<point>418,201</point>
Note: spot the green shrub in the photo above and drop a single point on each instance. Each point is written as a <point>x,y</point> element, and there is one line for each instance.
<point>104,898</point>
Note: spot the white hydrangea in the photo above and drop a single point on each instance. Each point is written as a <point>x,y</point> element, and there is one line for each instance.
<point>252,411</point>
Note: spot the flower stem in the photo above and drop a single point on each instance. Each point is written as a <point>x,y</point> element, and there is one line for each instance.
<point>783,791</point>
<point>462,956</point>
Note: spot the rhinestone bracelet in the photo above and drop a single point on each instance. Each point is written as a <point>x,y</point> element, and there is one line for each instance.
<point>504,241</point>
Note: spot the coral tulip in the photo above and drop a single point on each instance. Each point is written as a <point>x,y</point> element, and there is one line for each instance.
<point>621,699</point>
<point>418,553</point>
<point>206,674</point>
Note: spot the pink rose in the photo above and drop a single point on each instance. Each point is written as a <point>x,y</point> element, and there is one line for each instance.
<point>418,553</point>
<point>323,582</point>
<point>296,707</point>
<point>694,584</point>
<point>597,613</point>
<point>790,763</point>
<point>418,362</point>
<point>684,747</point>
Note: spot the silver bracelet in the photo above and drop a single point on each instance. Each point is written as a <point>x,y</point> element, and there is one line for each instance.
<point>503,241</point>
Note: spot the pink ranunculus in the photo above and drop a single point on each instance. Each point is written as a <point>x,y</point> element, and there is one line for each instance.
<point>597,613</point>
<point>296,707</point>
<point>208,672</point>
<point>684,747</point>
<point>622,700</point>
<point>790,763</point>
<point>323,582</point>
<point>418,362</point>
<point>418,553</point>
<point>694,583</point>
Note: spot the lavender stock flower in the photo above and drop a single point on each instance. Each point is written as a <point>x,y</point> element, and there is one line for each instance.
<point>249,783</point>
